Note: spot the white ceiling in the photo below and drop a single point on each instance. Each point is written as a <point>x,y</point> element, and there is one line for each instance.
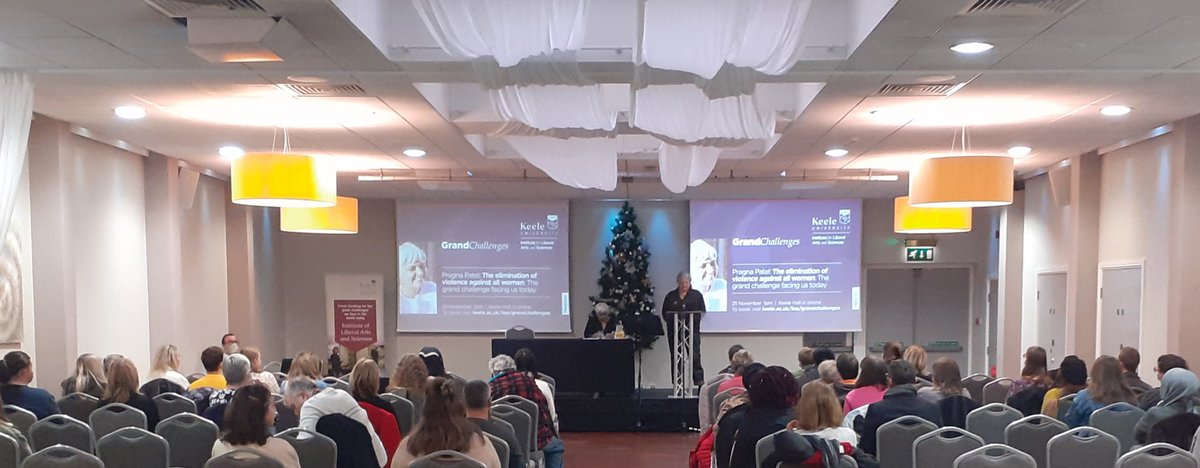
<point>1041,86</point>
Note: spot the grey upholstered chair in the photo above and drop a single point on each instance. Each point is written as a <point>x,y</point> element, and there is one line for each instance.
<point>939,449</point>
<point>132,447</point>
<point>20,418</point>
<point>1160,455</point>
<point>995,456</point>
<point>78,405</point>
<point>60,429</point>
<point>405,411</point>
<point>170,404</point>
<point>520,422</point>
<point>1082,447</point>
<point>113,416</point>
<point>315,450</point>
<point>191,438</point>
<point>895,440</point>
<point>1031,434</point>
<point>61,456</point>
<point>974,384</point>
<point>988,422</point>
<point>446,459</point>
<point>1118,420</point>
<point>243,458</point>
<point>996,391</point>
<point>501,449</point>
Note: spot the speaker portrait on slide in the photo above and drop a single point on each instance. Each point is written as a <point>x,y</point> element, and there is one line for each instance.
<point>418,295</point>
<point>707,274</point>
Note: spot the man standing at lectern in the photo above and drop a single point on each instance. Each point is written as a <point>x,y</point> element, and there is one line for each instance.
<point>684,299</point>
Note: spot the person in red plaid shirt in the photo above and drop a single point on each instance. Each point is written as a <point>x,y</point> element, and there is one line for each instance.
<point>506,380</point>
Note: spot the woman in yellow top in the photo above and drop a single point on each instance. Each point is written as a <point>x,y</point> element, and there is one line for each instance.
<point>1072,377</point>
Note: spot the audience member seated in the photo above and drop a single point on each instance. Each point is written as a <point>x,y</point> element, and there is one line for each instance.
<point>847,366</point>
<point>364,387</point>
<point>702,455</point>
<point>820,355</point>
<point>257,374</point>
<point>892,351</point>
<point>732,350</point>
<point>123,388</point>
<point>229,344</point>
<point>354,443</point>
<point>444,426</point>
<point>236,370</point>
<point>820,414</point>
<point>1179,388</point>
<point>1130,359</point>
<point>166,368</point>
<point>88,378</point>
<point>16,372</point>
<point>1072,377</point>
<point>527,362</point>
<point>335,362</point>
<point>901,400</point>
<point>248,418</point>
<point>306,365</point>
<point>306,399</point>
<point>738,364</point>
<point>601,323</point>
<point>830,376</point>
<point>7,428</point>
<point>477,397</point>
<point>211,358</point>
<point>110,359</point>
<point>434,363</point>
<point>773,394</point>
<point>1034,373</point>
<point>1178,430</point>
<point>870,385</point>
<point>915,355</point>
<point>507,380</point>
<point>411,376</point>
<point>804,356</point>
<point>947,381</point>
<point>1107,387</point>
<point>1165,363</point>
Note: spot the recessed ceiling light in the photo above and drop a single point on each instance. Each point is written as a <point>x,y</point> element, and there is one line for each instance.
<point>782,173</point>
<point>1115,111</point>
<point>470,174</point>
<point>935,78</point>
<point>836,152</point>
<point>971,47</point>
<point>231,152</point>
<point>307,79</point>
<point>130,112</point>
<point>1019,151</point>
<point>414,152</point>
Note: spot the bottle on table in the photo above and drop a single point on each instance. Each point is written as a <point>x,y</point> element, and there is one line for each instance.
<point>620,332</point>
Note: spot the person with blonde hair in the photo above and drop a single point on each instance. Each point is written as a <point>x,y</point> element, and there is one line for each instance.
<point>819,413</point>
<point>166,367</point>
<point>409,379</point>
<point>738,364</point>
<point>444,426</point>
<point>306,365</point>
<point>364,387</point>
<point>257,373</point>
<point>915,355</point>
<point>123,388</point>
<point>88,378</point>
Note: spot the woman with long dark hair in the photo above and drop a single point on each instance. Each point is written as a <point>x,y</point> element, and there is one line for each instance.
<point>871,384</point>
<point>444,426</point>
<point>248,418</point>
<point>773,395</point>
<point>123,388</point>
<point>1107,387</point>
<point>1034,373</point>
<point>16,372</point>
<point>1072,377</point>
<point>947,381</point>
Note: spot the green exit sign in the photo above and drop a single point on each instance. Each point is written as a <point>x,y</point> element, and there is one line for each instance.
<point>918,254</point>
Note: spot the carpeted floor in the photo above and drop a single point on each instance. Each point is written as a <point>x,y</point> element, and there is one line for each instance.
<point>627,450</point>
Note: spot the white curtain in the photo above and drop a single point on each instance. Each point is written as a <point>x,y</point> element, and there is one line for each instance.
<point>681,167</point>
<point>509,30</point>
<point>16,112</point>
<point>700,36</point>
<point>683,113</point>
<point>554,106</point>
<point>586,163</point>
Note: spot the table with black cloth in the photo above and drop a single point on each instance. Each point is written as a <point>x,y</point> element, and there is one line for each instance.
<point>579,366</point>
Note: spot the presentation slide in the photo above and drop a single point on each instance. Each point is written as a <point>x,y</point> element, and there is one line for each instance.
<point>778,265</point>
<point>482,267</point>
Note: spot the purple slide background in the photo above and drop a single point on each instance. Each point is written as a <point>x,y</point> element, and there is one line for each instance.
<point>537,304</point>
<point>824,301</point>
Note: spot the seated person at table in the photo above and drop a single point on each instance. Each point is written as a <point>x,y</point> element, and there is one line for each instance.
<point>602,323</point>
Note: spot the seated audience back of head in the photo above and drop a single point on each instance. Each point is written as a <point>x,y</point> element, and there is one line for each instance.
<point>847,366</point>
<point>444,426</point>
<point>738,364</point>
<point>1130,359</point>
<point>1034,373</point>
<point>477,397</point>
<point>819,413</point>
<point>805,358</point>
<point>211,358</point>
<point>1178,391</point>
<point>364,387</point>
<point>812,373</point>
<point>892,351</point>
<point>915,356</point>
<point>1070,379</point>
<point>1164,363</point>
<point>773,394</point>
<point>527,362</point>
<point>507,380</point>
<point>732,350</point>
<point>123,388</point>
<point>900,400</point>
<point>947,381</point>
<point>1107,387</point>
<point>16,373</point>
<point>88,378</point>
<point>312,403</point>
<point>166,367</point>
<point>410,376</point>
<point>248,418</point>
<point>257,373</point>
<point>1178,430</point>
<point>236,371</point>
<point>870,385</point>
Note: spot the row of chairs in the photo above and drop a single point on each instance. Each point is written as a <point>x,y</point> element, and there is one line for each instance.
<point>81,406</point>
<point>991,422</point>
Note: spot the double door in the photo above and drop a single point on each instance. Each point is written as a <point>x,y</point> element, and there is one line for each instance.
<point>921,306</point>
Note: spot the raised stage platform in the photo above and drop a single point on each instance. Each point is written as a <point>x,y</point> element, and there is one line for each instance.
<point>655,411</point>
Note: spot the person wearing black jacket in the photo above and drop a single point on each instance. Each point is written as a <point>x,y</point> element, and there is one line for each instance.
<point>684,299</point>
<point>601,323</point>
<point>900,400</point>
<point>773,395</point>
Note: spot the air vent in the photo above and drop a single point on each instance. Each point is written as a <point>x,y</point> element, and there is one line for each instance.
<point>185,8</point>
<point>325,90</point>
<point>919,89</point>
<point>1020,7</point>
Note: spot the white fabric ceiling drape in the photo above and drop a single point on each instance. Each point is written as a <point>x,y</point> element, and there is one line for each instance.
<point>509,30</point>
<point>681,167</point>
<point>683,113</point>
<point>16,112</point>
<point>701,36</point>
<point>554,106</point>
<point>585,163</point>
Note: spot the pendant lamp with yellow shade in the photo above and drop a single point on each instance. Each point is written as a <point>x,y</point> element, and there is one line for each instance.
<point>913,220</point>
<point>283,180</point>
<point>962,182</point>
<point>338,219</point>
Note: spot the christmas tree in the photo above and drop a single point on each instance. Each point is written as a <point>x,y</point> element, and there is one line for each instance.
<point>625,282</point>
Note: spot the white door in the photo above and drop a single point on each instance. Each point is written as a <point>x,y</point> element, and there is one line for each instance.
<point>1120,308</point>
<point>1052,315</point>
<point>890,305</point>
<point>943,314</point>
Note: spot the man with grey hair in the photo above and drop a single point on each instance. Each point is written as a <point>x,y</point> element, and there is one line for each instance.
<point>828,371</point>
<point>684,299</point>
<point>236,370</point>
<point>310,402</point>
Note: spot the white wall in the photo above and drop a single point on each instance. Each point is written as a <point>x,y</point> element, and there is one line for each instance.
<point>1045,250</point>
